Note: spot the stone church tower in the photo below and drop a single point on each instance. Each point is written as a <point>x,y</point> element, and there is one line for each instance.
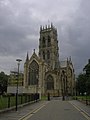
<point>48,46</point>
<point>48,51</point>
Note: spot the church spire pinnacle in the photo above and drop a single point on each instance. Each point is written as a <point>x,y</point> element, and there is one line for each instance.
<point>27,57</point>
<point>33,50</point>
<point>51,25</point>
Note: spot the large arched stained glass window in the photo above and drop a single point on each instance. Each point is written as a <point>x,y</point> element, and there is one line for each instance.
<point>33,73</point>
<point>50,82</point>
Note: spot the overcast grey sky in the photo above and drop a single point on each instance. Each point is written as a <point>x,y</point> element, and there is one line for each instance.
<point>19,29</point>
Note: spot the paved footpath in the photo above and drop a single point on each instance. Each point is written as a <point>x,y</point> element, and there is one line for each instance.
<point>81,106</point>
<point>50,110</point>
<point>22,112</point>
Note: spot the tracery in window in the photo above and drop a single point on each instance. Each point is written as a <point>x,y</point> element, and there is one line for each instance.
<point>50,83</point>
<point>33,73</point>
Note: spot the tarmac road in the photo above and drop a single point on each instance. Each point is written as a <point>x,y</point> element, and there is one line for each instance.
<point>57,110</point>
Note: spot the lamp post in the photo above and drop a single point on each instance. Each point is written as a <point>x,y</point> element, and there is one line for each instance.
<point>63,80</point>
<point>18,60</point>
<point>86,94</point>
<point>64,89</point>
<point>37,77</point>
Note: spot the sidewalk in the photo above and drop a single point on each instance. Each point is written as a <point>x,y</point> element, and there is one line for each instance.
<point>14,107</point>
<point>16,115</point>
<point>83,107</point>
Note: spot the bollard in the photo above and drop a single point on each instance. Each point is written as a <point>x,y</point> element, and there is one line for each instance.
<point>48,96</point>
<point>63,97</point>
<point>9,101</point>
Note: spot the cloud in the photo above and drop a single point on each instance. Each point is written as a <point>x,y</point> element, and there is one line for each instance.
<point>19,28</point>
<point>78,37</point>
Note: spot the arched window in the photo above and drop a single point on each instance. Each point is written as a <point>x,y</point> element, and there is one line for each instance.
<point>43,42</point>
<point>43,55</point>
<point>49,41</point>
<point>33,73</point>
<point>48,54</point>
<point>50,83</point>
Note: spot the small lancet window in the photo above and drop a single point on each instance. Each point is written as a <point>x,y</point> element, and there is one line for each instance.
<point>48,54</point>
<point>49,41</point>
<point>43,42</point>
<point>43,55</point>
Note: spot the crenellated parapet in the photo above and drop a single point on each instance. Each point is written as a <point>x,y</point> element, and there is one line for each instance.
<point>48,27</point>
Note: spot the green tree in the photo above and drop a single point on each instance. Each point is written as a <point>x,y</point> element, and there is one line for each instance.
<point>83,80</point>
<point>3,82</point>
<point>81,83</point>
<point>87,70</point>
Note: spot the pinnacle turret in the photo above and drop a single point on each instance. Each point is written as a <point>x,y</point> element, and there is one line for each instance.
<point>27,57</point>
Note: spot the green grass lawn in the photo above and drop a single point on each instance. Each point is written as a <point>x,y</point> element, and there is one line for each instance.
<point>43,97</point>
<point>82,97</point>
<point>4,100</point>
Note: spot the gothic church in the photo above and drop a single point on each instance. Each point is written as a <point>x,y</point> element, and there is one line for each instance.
<point>44,73</point>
